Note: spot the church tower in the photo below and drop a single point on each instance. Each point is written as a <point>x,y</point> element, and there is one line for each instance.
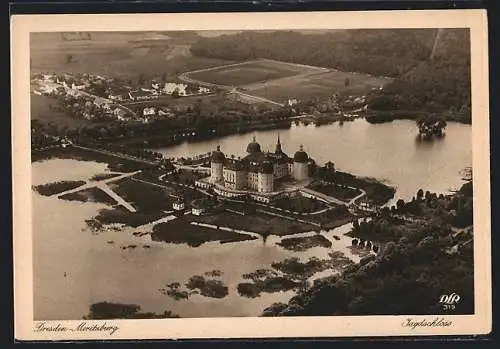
<point>278,146</point>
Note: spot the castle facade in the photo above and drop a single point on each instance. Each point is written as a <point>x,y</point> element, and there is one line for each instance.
<point>258,170</point>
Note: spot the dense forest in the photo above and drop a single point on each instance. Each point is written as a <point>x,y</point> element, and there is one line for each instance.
<point>440,84</point>
<point>418,263</point>
<point>428,77</point>
<point>379,52</point>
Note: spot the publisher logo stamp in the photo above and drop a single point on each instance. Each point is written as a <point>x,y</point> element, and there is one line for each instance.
<point>449,301</point>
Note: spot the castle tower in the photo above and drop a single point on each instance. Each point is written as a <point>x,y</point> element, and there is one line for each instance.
<point>300,166</point>
<point>266,177</point>
<point>216,166</point>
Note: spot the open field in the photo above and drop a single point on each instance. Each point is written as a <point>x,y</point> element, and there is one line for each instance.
<point>278,81</point>
<point>117,54</point>
<point>257,222</point>
<point>316,85</point>
<point>40,109</point>
<point>180,231</point>
<point>145,198</point>
<point>251,72</point>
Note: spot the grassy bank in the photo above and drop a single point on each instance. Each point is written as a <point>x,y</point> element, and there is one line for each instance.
<point>304,243</point>
<point>122,216</point>
<point>180,231</point>
<point>144,197</point>
<point>89,195</point>
<point>257,222</point>
<point>114,163</point>
<point>340,192</point>
<point>57,187</point>
<point>381,116</point>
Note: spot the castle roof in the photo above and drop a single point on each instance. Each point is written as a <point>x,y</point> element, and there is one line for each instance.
<point>253,147</point>
<point>301,155</point>
<point>218,156</point>
<point>267,167</point>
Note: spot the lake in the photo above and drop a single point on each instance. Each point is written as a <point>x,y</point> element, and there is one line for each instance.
<point>74,268</point>
<point>388,151</point>
<point>98,271</point>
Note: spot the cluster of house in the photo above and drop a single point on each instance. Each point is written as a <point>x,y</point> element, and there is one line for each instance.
<point>158,89</point>
<point>152,112</point>
<point>198,206</point>
<point>71,93</point>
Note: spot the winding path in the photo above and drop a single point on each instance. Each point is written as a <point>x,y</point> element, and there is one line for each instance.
<point>185,77</point>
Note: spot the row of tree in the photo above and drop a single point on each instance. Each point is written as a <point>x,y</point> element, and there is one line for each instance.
<point>377,51</point>
<point>408,275</point>
<point>440,85</point>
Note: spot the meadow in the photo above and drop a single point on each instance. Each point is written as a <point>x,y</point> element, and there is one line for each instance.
<point>250,72</point>
<point>317,85</point>
<point>41,110</point>
<point>116,54</point>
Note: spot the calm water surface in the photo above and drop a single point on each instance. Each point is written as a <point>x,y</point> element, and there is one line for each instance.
<point>97,271</point>
<point>388,151</point>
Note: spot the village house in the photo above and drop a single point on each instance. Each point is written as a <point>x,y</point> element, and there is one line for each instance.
<point>119,114</point>
<point>77,87</point>
<point>178,205</point>
<point>150,91</point>
<point>141,95</point>
<point>200,207</point>
<point>171,87</point>
<point>204,90</point>
<point>165,112</point>
<point>148,111</point>
<point>116,97</point>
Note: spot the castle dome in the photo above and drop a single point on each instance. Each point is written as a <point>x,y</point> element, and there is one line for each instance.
<point>301,155</point>
<point>218,156</point>
<point>253,147</point>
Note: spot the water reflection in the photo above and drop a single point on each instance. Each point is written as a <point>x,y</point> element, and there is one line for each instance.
<point>98,270</point>
<point>74,268</point>
<point>386,151</point>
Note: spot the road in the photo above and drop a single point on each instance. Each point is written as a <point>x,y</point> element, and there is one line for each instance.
<point>123,156</point>
<point>232,89</point>
<point>322,196</point>
<point>84,93</point>
<point>102,185</point>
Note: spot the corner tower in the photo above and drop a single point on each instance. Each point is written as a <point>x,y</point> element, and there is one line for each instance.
<point>300,166</point>
<point>216,166</point>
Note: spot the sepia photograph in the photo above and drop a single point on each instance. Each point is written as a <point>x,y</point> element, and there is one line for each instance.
<point>191,174</point>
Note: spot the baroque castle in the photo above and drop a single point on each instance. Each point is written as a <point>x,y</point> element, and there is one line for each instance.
<point>258,170</point>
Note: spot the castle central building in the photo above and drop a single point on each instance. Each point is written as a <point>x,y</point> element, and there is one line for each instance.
<point>258,170</point>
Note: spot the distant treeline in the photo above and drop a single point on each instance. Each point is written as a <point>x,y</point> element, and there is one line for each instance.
<point>440,84</point>
<point>424,80</point>
<point>379,52</point>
